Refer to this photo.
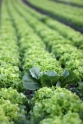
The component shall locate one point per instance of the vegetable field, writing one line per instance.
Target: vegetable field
(41, 62)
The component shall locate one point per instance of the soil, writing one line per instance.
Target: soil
(54, 16)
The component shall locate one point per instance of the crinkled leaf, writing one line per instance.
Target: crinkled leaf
(35, 72)
(29, 83)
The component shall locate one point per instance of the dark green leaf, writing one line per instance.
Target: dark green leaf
(35, 72)
(80, 88)
(80, 85)
(65, 73)
(29, 83)
(45, 81)
(68, 78)
(81, 115)
(49, 78)
(58, 84)
(51, 73)
(43, 18)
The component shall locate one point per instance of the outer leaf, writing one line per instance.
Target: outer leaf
(58, 84)
(71, 78)
(45, 81)
(35, 72)
(49, 78)
(65, 73)
(81, 115)
(51, 74)
(29, 83)
(68, 78)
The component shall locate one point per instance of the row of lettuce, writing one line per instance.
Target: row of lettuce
(14, 105)
(9, 56)
(34, 54)
(71, 59)
(63, 30)
(69, 56)
(69, 14)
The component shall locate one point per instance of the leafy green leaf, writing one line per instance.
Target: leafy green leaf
(49, 78)
(51, 73)
(35, 72)
(58, 84)
(65, 73)
(81, 115)
(68, 78)
(29, 83)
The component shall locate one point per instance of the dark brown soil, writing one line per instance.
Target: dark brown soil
(55, 16)
(69, 4)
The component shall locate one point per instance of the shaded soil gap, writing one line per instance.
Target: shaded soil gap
(54, 16)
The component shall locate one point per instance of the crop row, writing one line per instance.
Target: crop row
(12, 103)
(62, 49)
(9, 56)
(27, 46)
(36, 109)
(58, 106)
(65, 31)
(69, 14)
(32, 52)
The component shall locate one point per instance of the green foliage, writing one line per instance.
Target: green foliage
(63, 48)
(10, 76)
(42, 59)
(35, 79)
(69, 14)
(12, 107)
(13, 96)
(67, 78)
(69, 118)
(29, 83)
(49, 103)
(9, 54)
(12, 111)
